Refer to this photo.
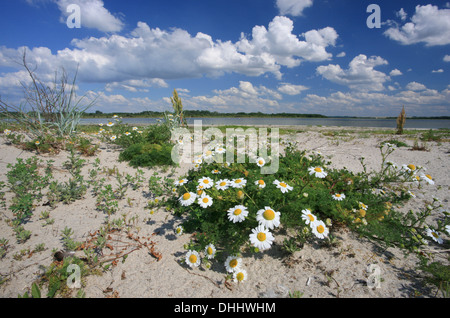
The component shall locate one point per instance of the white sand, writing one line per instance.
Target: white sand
(316, 272)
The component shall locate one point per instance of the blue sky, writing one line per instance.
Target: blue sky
(295, 56)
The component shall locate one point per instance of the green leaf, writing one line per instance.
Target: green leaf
(35, 291)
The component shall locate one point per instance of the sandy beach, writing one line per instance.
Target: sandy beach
(155, 270)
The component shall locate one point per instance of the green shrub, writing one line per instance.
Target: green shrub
(158, 133)
(147, 155)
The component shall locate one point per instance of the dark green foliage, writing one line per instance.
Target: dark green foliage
(147, 155)
(158, 134)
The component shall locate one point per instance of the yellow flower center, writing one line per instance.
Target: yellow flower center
(206, 181)
(209, 250)
(237, 211)
(205, 200)
(223, 183)
(283, 184)
(261, 182)
(311, 217)
(199, 192)
(320, 229)
(181, 181)
(238, 181)
(434, 234)
(338, 195)
(261, 236)
(412, 167)
(269, 214)
(428, 176)
(186, 196)
(233, 263)
(317, 169)
(261, 162)
(362, 212)
(193, 259)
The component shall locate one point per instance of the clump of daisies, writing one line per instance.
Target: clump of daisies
(232, 207)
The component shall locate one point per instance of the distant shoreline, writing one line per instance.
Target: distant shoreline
(195, 114)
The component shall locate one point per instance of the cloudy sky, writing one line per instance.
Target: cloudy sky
(301, 56)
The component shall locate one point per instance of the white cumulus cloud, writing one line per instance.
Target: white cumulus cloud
(93, 14)
(429, 25)
(395, 72)
(414, 86)
(152, 53)
(291, 89)
(293, 7)
(360, 75)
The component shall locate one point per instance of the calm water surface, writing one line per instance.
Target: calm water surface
(343, 122)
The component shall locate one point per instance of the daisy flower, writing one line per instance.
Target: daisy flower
(308, 217)
(261, 238)
(427, 178)
(208, 155)
(7, 132)
(206, 182)
(205, 201)
(318, 172)
(320, 230)
(215, 171)
(363, 206)
(220, 150)
(238, 183)
(434, 235)
(233, 263)
(210, 251)
(260, 183)
(338, 196)
(193, 258)
(110, 124)
(113, 138)
(283, 186)
(134, 128)
(268, 217)
(187, 199)
(179, 230)
(127, 133)
(237, 213)
(260, 162)
(222, 184)
(409, 168)
(37, 143)
(240, 275)
(181, 182)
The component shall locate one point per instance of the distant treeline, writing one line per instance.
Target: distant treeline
(206, 113)
(198, 113)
